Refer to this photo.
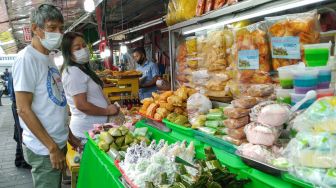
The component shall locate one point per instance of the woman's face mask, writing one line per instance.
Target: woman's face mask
(82, 56)
(52, 40)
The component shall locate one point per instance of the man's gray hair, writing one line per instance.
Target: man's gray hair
(46, 12)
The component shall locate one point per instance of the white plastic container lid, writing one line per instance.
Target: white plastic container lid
(325, 91)
(306, 72)
(287, 71)
(283, 92)
(318, 46)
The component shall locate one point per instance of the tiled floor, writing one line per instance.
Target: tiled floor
(10, 176)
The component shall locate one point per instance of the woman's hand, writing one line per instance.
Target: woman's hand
(112, 109)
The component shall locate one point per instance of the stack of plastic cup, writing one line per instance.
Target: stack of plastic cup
(305, 81)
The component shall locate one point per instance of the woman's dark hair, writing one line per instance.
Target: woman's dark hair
(67, 41)
(140, 50)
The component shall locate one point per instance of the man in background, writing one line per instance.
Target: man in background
(150, 73)
(19, 158)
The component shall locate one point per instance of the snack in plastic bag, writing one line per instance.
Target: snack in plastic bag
(257, 133)
(319, 117)
(200, 9)
(244, 102)
(255, 111)
(253, 54)
(232, 112)
(231, 2)
(274, 115)
(236, 133)
(214, 124)
(209, 5)
(219, 3)
(171, 16)
(197, 105)
(191, 43)
(288, 33)
(312, 150)
(325, 178)
(260, 90)
(233, 140)
(257, 152)
(207, 130)
(187, 9)
(236, 123)
(215, 116)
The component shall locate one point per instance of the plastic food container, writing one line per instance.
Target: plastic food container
(317, 54)
(304, 90)
(323, 85)
(305, 78)
(325, 92)
(298, 97)
(286, 75)
(283, 95)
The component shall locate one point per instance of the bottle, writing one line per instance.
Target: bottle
(123, 101)
(128, 103)
(134, 100)
(138, 99)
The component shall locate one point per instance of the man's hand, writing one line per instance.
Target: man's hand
(75, 142)
(57, 158)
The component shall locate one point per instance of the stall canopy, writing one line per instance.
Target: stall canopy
(116, 15)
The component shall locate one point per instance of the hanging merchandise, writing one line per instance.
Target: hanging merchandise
(180, 10)
(288, 34)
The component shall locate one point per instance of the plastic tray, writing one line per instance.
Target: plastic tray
(215, 142)
(264, 167)
(128, 180)
(143, 115)
(231, 161)
(179, 128)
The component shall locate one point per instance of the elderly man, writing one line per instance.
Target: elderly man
(40, 99)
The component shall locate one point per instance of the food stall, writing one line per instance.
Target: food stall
(252, 95)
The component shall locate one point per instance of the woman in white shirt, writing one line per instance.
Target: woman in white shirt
(83, 88)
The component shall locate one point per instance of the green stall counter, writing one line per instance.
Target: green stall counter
(97, 169)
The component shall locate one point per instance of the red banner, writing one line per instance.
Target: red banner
(26, 34)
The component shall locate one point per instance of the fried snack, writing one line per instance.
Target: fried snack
(191, 91)
(167, 106)
(182, 92)
(175, 100)
(158, 116)
(155, 96)
(151, 110)
(165, 95)
(162, 111)
(179, 110)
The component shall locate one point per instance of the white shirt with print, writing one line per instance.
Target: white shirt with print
(75, 81)
(36, 73)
